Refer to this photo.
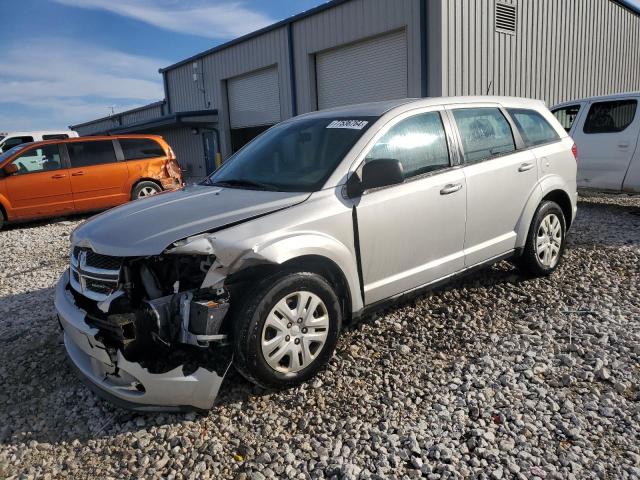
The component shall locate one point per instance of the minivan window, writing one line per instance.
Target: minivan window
(418, 142)
(485, 133)
(140, 148)
(55, 136)
(86, 154)
(42, 159)
(610, 117)
(15, 141)
(533, 127)
(295, 156)
(567, 115)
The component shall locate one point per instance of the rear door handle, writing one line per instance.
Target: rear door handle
(450, 188)
(77, 174)
(58, 175)
(525, 167)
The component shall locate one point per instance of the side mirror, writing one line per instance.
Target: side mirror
(10, 169)
(382, 173)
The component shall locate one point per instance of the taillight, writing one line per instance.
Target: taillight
(574, 150)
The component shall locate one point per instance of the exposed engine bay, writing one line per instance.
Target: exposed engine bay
(161, 311)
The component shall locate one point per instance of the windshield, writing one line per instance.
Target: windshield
(13, 150)
(297, 156)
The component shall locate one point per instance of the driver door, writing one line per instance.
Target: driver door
(41, 186)
(412, 234)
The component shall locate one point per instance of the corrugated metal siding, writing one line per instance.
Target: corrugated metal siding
(140, 115)
(185, 93)
(122, 119)
(363, 72)
(563, 49)
(189, 150)
(98, 126)
(351, 22)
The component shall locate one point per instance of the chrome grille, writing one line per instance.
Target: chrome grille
(94, 275)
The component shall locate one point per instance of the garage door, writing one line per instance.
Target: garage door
(364, 72)
(254, 99)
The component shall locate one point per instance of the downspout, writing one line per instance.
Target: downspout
(165, 85)
(424, 50)
(292, 71)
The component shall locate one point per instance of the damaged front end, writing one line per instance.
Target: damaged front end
(149, 332)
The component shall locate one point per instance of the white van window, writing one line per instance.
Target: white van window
(41, 159)
(567, 115)
(15, 141)
(610, 117)
(55, 136)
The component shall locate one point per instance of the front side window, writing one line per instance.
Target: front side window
(567, 115)
(140, 148)
(86, 154)
(418, 142)
(15, 141)
(610, 117)
(533, 127)
(485, 133)
(295, 156)
(43, 159)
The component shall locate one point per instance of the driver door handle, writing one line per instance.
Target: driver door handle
(77, 174)
(451, 188)
(525, 167)
(58, 175)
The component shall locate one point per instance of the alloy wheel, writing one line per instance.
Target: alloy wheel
(549, 241)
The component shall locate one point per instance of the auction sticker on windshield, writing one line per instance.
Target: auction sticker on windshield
(350, 124)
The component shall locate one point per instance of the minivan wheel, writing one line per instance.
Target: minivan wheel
(545, 241)
(145, 189)
(286, 329)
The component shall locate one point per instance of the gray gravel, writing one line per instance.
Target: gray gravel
(492, 377)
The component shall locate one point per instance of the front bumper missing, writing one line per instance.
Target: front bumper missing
(126, 383)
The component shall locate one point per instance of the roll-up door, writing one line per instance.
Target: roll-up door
(368, 71)
(254, 99)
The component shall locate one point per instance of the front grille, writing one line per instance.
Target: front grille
(94, 275)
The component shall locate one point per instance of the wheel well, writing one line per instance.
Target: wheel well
(309, 263)
(140, 180)
(3, 212)
(563, 200)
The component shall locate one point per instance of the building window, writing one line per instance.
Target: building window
(506, 15)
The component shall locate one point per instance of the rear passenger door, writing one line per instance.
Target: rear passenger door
(607, 140)
(500, 179)
(98, 179)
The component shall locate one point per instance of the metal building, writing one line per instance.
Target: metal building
(353, 51)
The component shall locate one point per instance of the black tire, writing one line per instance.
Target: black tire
(142, 187)
(250, 314)
(531, 262)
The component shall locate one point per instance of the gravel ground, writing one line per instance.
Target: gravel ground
(492, 377)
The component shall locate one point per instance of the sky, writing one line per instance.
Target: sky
(69, 61)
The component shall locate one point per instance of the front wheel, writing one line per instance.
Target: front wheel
(286, 330)
(545, 241)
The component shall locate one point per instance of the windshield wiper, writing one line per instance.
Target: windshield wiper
(242, 183)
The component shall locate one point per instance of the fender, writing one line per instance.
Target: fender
(544, 186)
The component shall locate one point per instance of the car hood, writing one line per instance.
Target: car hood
(148, 226)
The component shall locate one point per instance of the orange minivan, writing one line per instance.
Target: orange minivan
(60, 177)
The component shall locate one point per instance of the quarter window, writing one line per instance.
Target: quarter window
(485, 133)
(86, 154)
(533, 127)
(419, 143)
(43, 159)
(610, 117)
(140, 148)
(567, 115)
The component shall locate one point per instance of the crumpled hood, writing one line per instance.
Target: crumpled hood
(148, 226)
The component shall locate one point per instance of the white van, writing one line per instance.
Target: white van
(606, 131)
(13, 139)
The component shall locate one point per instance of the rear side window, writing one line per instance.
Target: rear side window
(55, 136)
(533, 127)
(140, 148)
(43, 159)
(567, 115)
(85, 154)
(485, 133)
(419, 143)
(610, 117)
(15, 141)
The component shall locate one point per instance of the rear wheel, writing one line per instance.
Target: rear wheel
(145, 189)
(545, 242)
(286, 330)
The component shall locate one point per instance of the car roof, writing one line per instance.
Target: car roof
(95, 138)
(612, 96)
(377, 109)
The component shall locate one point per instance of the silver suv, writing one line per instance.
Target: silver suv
(320, 220)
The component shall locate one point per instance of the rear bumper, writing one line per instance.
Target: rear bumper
(126, 383)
